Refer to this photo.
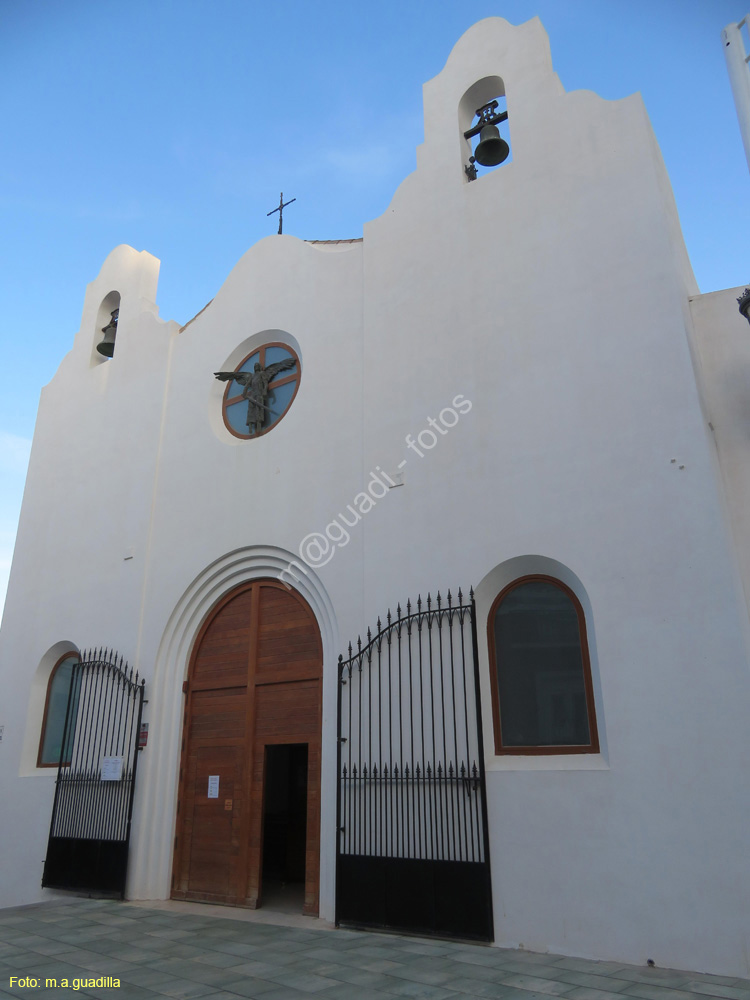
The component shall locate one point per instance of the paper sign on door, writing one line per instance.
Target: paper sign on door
(111, 768)
(213, 786)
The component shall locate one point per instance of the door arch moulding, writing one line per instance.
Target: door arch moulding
(154, 822)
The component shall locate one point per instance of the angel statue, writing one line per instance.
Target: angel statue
(255, 389)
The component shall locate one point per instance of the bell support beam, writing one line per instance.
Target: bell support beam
(486, 118)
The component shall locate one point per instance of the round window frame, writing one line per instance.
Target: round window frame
(279, 381)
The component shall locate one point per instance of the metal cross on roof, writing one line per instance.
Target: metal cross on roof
(282, 205)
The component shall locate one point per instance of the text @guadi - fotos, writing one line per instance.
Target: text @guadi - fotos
(318, 547)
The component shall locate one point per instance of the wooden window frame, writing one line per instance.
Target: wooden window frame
(71, 654)
(500, 749)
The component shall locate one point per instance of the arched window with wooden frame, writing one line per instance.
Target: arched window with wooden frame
(55, 707)
(542, 693)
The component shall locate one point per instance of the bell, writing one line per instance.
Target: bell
(107, 346)
(491, 149)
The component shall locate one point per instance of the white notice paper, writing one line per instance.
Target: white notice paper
(111, 768)
(213, 786)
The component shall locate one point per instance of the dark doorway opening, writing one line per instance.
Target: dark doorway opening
(285, 826)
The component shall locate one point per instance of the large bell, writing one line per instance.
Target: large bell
(107, 346)
(491, 149)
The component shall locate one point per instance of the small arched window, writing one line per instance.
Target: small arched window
(542, 695)
(53, 724)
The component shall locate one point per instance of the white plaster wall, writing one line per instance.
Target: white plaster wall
(721, 347)
(552, 294)
(86, 509)
(215, 495)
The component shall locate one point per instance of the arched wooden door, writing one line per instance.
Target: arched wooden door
(254, 686)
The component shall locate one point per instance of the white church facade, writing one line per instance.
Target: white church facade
(511, 385)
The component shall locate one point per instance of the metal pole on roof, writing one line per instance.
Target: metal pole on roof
(739, 76)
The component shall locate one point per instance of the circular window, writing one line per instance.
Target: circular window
(257, 398)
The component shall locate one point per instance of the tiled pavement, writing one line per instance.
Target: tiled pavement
(172, 954)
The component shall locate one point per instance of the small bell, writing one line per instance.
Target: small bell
(107, 346)
(491, 149)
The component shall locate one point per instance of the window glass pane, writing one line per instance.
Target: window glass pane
(278, 400)
(540, 668)
(274, 354)
(237, 416)
(57, 704)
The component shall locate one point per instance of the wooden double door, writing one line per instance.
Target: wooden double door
(249, 797)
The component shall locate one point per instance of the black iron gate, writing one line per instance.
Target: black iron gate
(90, 828)
(412, 846)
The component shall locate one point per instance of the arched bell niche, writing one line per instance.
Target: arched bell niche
(105, 329)
(483, 124)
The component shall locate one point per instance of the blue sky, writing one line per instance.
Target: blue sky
(172, 125)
